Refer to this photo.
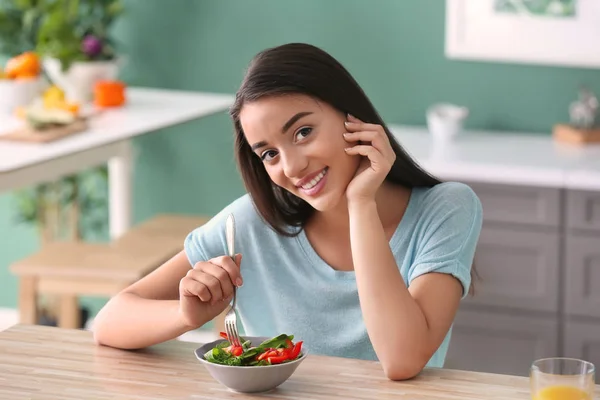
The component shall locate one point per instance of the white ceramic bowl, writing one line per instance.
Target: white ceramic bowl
(445, 121)
(249, 379)
(18, 93)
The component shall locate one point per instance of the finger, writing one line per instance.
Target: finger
(371, 152)
(382, 140)
(379, 154)
(378, 138)
(366, 136)
(352, 118)
(356, 124)
(232, 268)
(213, 284)
(222, 276)
(189, 286)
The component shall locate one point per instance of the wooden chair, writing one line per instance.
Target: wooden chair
(70, 269)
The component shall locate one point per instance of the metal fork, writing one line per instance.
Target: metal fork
(231, 317)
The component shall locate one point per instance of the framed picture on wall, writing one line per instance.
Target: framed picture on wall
(546, 32)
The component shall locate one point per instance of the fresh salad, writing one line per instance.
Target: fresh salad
(277, 350)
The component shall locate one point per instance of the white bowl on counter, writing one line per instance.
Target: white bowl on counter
(16, 93)
(445, 121)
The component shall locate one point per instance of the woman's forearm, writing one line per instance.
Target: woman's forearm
(131, 322)
(396, 325)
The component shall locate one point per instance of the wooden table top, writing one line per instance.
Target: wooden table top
(38, 362)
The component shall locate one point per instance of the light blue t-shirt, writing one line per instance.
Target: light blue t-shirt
(289, 289)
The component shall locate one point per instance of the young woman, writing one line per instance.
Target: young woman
(343, 240)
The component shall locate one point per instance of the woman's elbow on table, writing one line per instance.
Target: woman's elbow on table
(98, 339)
(400, 372)
(99, 330)
(109, 327)
(103, 336)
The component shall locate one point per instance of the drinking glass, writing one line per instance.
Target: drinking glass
(562, 378)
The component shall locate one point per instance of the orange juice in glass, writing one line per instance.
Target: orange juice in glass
(562, 379)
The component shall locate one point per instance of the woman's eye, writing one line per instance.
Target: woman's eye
(268, 155)
(302, 133)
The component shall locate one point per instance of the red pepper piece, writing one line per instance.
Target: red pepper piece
(237, 350)
(277, 359)
(296, 350)
(273, 353)
(263, 355)
(285, 352)
(223, 335)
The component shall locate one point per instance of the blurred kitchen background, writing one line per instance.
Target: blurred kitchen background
(507, 100)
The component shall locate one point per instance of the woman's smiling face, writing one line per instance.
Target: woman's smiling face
(300, 142)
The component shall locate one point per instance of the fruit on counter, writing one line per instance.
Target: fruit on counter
(23, 66)
(52, 107)
(40, 118)
(109, 93)
(54, 98)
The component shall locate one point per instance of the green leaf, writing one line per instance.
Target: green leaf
(250, 353)
(219, 356)
(276, 341)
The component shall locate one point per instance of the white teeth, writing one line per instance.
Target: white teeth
(315, 180)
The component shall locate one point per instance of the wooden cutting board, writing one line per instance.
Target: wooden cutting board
(28, 134)
(569, 134)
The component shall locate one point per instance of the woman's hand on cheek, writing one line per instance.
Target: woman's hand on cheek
(371, 143)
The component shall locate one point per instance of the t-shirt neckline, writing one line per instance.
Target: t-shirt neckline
(324, 268)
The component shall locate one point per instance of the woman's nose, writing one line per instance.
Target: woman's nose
(293, 164)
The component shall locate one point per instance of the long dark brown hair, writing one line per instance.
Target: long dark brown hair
(299, 68)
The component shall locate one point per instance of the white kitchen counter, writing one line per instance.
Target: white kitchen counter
(504, 157)
(108, 140)
(147, 110)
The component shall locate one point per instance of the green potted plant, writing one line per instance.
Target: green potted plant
(19, 24)
(74, 39)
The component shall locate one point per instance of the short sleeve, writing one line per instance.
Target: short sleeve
(206, 241)
(209, 241)
(449, 229)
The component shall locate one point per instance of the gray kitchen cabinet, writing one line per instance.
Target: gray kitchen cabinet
(582, 340)
(583, 210)
(500, 343)
(538, 254)
(517, 269)
(531, 260)
(520, 205)
(582, 277)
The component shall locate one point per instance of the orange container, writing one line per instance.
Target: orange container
(109, 93)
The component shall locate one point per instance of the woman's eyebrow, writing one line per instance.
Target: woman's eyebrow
(258, 145)
(284, 129)
(293, 120)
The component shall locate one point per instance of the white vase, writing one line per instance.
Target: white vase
(79, 79)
